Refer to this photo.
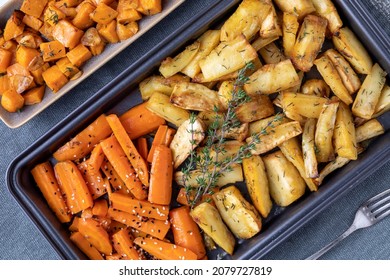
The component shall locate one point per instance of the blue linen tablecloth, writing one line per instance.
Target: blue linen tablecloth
(20, 239)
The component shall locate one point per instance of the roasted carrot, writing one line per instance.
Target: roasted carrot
(74, 226)
(44, 176)
(87, 248)
(83, 143)
(169, 136)
(116, 156)
(138, 207)
(159, 139)
(139, 121)
(114, 180)
(142, 147)
(163, 250)
(96, 158)
(72, 184)
(123, 244)
(86, 213)
(186, 232)
(129, 148)
(156, 228)
(160, 189)
(93, 178)
(182, 197)
(114, 257)
(100, 208)
(96, 235)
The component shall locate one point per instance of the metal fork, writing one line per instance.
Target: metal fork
(369, 213)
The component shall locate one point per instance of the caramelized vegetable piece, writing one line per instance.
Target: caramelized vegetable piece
(164, 250)
(129, 148)
(46, 181)
(34, 96)
(33, 7)
(139, 121)
(54, 78)
(87, 248)
(12, 101)
(83, 143)
(159, 139)
(160, 189)
(186, 232)
(138, 207)
(123, 244)
(93, 178)
(122, 166)
(73, 186)
(66, 33)
(96, 235)
(153, 227)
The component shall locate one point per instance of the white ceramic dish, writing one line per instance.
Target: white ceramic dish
(14, 120)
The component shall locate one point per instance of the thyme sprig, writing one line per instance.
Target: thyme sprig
(210, 168)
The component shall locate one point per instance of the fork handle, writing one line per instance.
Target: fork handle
(332, 244)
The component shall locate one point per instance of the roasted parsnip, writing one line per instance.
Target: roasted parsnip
(285, 182)
(239, 215)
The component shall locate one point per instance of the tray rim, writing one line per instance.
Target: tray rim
(285, 227)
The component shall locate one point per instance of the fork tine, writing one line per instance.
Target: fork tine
(374, 199)
(382, 215)
(379, 204)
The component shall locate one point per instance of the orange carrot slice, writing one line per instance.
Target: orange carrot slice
(160, 189)
(169, 136)
(44, 176)
(96, 158)
(164, 250)
(116, 156)
(142, 147)
(186, 232)
(72, 184)
(87, 248)
(100, 208)
(159, 139)
(93, 178)
(113, 178)
(96, 235)
(138, 207)
(156, 228)
(129, 148)
(83, 143)
(123, 244)
(139, 121)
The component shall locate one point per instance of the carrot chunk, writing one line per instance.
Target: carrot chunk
(116, 156)
(160, 189)
(164, 250)
(72, 184)
(46, 181)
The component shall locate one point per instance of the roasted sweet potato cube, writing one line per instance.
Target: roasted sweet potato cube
(53, 50)
(127, 30)
(5, 84)
(5, 60)
(108, 32)
(149, 7)
(54, 78)
(53, 15)
(127, 12)
(79, 55)
(14, 26)
(103, 14)
(98, 49)
(66, 33)
(34, 95)
(33, 22)
(67, 67)
(25, 56)
(33, 7)
(82, 19)
(12, 101)
(37, 74)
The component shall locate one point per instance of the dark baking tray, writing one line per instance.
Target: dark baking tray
(122, 93)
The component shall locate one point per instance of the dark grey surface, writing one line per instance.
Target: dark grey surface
(19, 238)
